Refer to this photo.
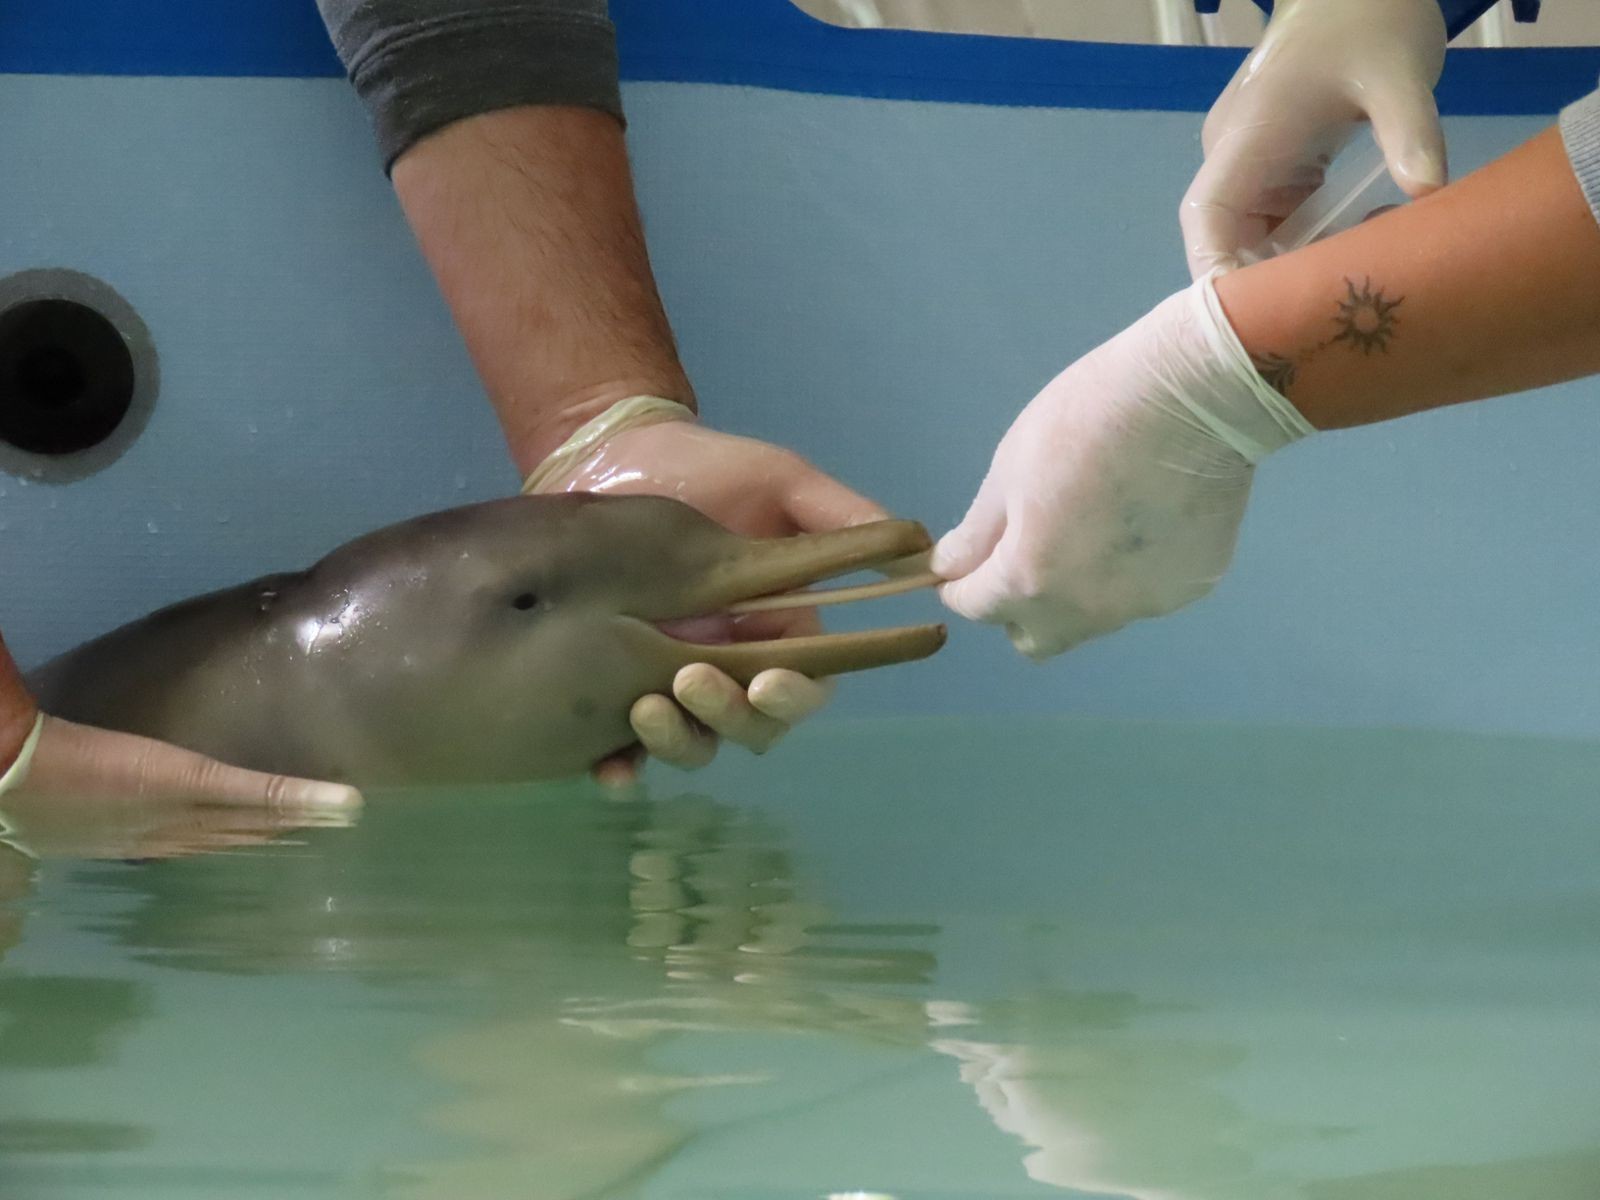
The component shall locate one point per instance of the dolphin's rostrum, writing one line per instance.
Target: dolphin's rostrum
(503, 641)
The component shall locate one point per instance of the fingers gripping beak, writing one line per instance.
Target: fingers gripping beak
(771, 575)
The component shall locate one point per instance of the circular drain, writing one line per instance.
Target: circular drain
(77, 375)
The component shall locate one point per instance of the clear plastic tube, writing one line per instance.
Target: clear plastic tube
(1356, 187)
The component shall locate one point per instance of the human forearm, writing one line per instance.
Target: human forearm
(511, 165)
(499, 121)
(528, 220)
(1488, 287)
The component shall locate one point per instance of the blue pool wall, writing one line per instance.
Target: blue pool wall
(875, 247)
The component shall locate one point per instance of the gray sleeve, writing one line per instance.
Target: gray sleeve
(1580, 132)
(420, 65)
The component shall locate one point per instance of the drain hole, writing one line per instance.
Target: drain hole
(66, 377)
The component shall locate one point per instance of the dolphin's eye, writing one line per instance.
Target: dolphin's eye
(525, 601)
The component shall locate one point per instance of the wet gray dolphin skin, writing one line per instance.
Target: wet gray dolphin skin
(499, 642)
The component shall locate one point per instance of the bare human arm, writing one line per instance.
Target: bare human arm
(500, 122)
(1488, 287)
(528, 220)
(1119, 491)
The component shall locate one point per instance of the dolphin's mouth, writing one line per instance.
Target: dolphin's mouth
(772, 575)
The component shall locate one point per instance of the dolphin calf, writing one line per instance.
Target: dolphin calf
(499, 642)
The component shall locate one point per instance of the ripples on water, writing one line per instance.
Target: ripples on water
(924, 959)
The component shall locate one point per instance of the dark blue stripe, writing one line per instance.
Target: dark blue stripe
(769, 43)
(164, 37)
(761, 43)
(1458, 14)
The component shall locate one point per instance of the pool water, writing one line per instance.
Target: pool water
(922, 959)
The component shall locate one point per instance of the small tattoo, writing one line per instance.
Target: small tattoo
(1276, 370)
(1365, 321)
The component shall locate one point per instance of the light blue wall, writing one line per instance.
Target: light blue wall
(311, 382)
(878, 284)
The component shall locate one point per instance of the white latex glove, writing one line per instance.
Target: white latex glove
(1118, 491)
(1323, 67)
(653, 446)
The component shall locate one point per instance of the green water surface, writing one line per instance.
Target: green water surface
(925, 960)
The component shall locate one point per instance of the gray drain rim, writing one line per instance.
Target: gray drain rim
(62, 283)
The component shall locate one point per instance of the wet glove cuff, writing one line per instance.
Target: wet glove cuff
(18, 771)
(632, 413)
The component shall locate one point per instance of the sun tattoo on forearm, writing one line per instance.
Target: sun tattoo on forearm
(1365, 322)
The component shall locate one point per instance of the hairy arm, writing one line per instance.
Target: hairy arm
(501, 124)
(528, 220)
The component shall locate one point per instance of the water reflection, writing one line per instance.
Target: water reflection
(568, 944)
(561, 939)
(34, 1136)
(126, 830)
(1108, 1108)
(56, 1022)
(16, 876)
(587, 991)
(52, 1022)
(1561, 1175)
(134, 829)
(567, 1100)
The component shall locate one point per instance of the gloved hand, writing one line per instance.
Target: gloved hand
(1322, 67)
(1118, 491)
(652, 446)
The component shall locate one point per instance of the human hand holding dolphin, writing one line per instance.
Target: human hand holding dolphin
(645, 445)
(45, 759)
(527, 218)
